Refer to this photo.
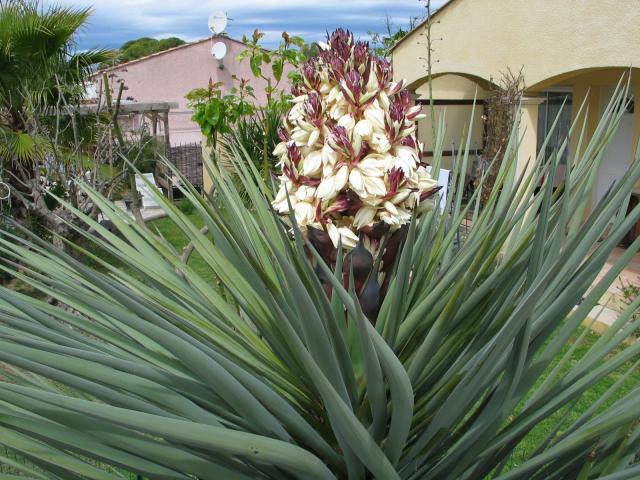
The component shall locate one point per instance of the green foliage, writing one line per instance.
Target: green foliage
(56, 190)
(250, 135)
(237, 118)
(630, 292)
(185, 206)
(216, 113)
(36, 46)
(38, 64)
(21, 147)
(269, 65)
(261, 375)
(291, 52)
(382, 44)
(141, 47)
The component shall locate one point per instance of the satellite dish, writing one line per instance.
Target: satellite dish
(219, 50)
(217, 22)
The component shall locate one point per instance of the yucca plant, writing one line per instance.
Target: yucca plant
(155, 371)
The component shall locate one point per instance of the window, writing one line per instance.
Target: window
(556, 103)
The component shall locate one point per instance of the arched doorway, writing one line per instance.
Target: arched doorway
(594, 89)
(458, 102)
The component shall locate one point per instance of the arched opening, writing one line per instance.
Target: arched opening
(452, 83)
(458, 99)
(594, 88)
(596, 76)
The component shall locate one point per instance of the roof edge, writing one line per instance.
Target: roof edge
(157, 54)
(421, 24)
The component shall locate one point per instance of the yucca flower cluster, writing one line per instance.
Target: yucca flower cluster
(349, 155)
(349, 158)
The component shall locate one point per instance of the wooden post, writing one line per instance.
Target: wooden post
(167, 149)
(154, 133)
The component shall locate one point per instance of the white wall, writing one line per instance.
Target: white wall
(618, 155)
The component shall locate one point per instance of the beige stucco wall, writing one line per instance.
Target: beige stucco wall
(457, 119)
(528, 135)
(549, 38)
(636, 122)
(453, 87)
(583, 45)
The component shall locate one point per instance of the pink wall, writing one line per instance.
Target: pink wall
(168, 76)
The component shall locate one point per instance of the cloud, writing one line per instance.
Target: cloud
(115, 21)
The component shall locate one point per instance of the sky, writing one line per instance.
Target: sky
(115, 21)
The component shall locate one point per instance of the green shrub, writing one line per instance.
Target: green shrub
(630, 292)
(57, 190)
(186, 206)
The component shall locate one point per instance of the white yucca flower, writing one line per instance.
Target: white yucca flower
(349, 155)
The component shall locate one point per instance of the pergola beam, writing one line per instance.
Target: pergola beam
(144, 108)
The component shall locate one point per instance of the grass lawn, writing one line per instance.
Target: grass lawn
(571, 413)
(167, 230)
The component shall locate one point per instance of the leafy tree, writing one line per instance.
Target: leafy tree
(382, 42)
(142, 47)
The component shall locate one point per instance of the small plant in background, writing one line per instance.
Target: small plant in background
(272, 65)
(349, 160)
(249, 135)
(186, 206)
(215, 113)
(288, 54)
(631, 292)
(383, 42)
(238, 119)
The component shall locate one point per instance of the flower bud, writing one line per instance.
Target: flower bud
(364, 129)
(364, 217)
(345, 235)
(312, 164)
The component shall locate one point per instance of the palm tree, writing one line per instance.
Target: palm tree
(38, 65)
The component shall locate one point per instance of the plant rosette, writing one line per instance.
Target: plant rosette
(349, 160)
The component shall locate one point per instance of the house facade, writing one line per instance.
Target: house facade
(169, 75)
(570, 51)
